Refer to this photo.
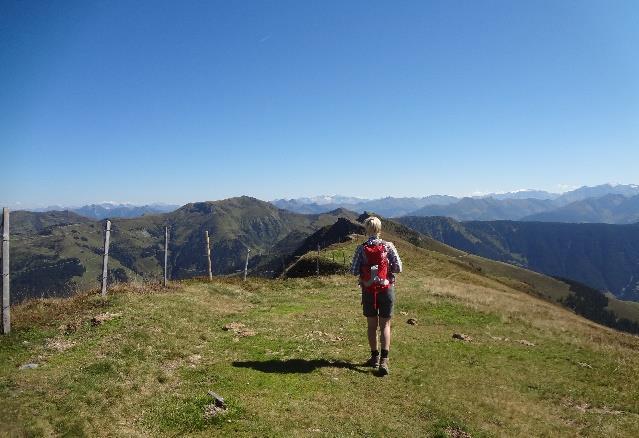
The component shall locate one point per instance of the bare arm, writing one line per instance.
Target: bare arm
(357, 261)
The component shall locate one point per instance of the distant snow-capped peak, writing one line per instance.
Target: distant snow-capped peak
(324, 200)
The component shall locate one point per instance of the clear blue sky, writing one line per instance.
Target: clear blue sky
(181, 101)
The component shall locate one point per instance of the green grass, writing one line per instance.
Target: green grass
(148, 371)
(624, 309)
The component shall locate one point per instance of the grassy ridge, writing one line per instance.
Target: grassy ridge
(147, 371)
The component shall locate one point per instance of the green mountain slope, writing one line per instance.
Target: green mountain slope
(27, 222)
(531, 368)
(602, 256)
(58, 253)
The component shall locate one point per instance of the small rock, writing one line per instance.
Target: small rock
(584, 364)
(403, 313)
(212, 410)
(28, 366)
(219, 401)
(526, 343)
(462, 337)
(216, 408)
(412, 321)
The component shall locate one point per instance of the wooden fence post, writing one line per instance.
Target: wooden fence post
(105, 261)
(208, 255)
(166, 253)
(248, 250)
(6, 279)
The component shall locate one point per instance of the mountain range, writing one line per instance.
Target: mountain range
(389, 206)
(485, 209)
(106, 210)
(609, 209)
(60, 253)
(605, 203)
(602, 256)
(57, 253)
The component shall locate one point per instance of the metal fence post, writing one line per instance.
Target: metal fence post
(105, 261)
(248, 250)
(208, 255)
(6, 278)
(166, 253)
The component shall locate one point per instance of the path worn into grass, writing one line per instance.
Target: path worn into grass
(295, 370)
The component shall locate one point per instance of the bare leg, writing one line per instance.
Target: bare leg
(372, 331)
(385, 327)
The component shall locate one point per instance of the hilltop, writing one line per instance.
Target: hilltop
(290, 362)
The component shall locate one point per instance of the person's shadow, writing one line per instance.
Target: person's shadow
(295, 365)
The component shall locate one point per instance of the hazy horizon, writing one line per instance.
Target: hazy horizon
(19, 205)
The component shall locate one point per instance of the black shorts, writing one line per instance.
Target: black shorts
(385, 301)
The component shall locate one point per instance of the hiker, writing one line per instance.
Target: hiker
(375, 261)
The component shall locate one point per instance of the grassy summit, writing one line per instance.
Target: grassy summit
(532, 368)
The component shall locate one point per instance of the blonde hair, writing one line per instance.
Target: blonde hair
(373, 226)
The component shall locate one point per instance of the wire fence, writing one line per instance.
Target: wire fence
(73, 258)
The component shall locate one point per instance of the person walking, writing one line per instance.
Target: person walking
(375, 262)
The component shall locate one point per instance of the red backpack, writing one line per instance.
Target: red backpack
(373, 272)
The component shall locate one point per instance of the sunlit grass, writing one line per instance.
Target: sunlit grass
(147, 371)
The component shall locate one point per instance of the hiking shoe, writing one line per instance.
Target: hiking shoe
(373, 361)
(383, 366)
